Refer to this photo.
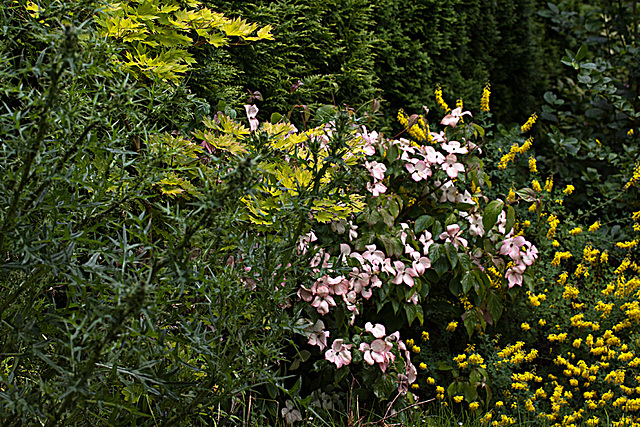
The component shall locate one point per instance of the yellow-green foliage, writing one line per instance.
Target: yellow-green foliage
(157, 34)
(285, 181)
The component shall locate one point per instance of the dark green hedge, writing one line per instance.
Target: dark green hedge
(348, 51)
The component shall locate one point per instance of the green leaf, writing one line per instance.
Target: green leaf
(392, 153)
(275, 118)
(470, 392)
(411, 312)
(491, 213)
(511, 219)
(582, 52)
(452, 254)
(494, 303)
(470, 321)
(467, 282)
(392, 245)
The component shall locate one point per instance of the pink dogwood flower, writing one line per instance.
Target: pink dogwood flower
(317, 335)
(453, 235)
(453, 118)
(454, 147)
(404, 274)
(512, 247)
(451, 167)
(339, 354)
(379, 351)
(434, 157)
(418, 169)
(376, 170)
(514, 275)
(376, 189)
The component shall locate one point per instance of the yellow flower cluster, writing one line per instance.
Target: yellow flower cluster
(594, 227)
(529, 124)
(484, 101)
(533, 168)
(440, 100)
(452, 326)
(575, 231)
(515, 149)
(553, 224)
(558, 257)
(548, 185)
(569, 189)
(536, 186)
(419, 130)
(627, 245)
(635, 179)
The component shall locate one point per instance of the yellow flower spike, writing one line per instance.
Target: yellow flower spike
(511, 197)
(575, 231)
(533, 168)
(569, 189)
(529, 124)
(484, 102)
(548, 186)
(441, 103)
(536, 186)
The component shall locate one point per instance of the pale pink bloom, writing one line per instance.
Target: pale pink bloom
(376, 282)
(434, 157)
(512, 246)
(370, 140)
(514, 275)
(454, 147)
(414, 299)
(404, 274)
(451, 167)
(464, 198)
(426, 240)
(438, 137)
(359, 280)
(320, 257)
(501, 222)
(530, 255)
(373, 255)
(317, 335)
(418, 169)
(303, 243)
(453, 235)
(290, 414)
(453, 118)
(376, 189)
(353, 234)
(339, 353)
(421, 265)
(408, 249)
(252, 112)
(323, 299)
(376, 169)
(379, 351)
(378, 330)
(305, 294)
(449, 192)
(387, 268)
(476, 228)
